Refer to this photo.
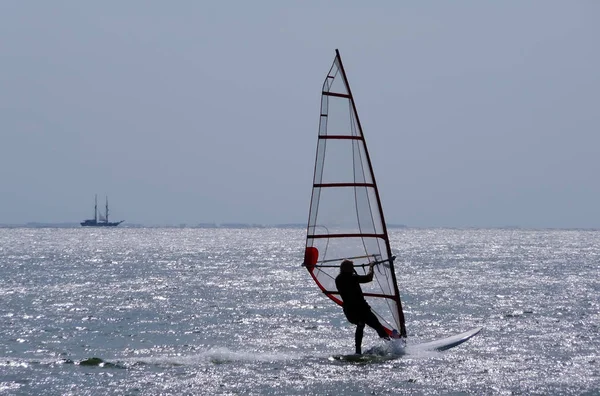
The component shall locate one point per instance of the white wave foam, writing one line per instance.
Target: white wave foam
(218, 355)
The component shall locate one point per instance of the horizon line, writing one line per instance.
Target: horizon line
(225, 225)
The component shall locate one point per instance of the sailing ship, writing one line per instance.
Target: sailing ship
(346, 218)
(99, 219)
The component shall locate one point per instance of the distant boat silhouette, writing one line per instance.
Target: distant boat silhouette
(99, 220)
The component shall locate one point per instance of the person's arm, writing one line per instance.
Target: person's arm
(366, 278)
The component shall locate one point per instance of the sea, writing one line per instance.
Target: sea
(225, 311)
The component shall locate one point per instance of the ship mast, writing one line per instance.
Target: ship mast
(96, 208)
(107, 208)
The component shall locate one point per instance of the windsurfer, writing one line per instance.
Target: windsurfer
(356, 309)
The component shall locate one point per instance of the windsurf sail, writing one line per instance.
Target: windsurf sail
(346, 218)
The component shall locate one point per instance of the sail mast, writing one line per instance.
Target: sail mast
(368, 158)
(96, 208)
(107, 208)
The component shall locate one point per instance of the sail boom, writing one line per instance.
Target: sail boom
(377, 295)
(391, 259)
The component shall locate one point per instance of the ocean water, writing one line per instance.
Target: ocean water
(232, 312)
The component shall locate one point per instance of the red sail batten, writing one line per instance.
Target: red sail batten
(319, 185)
(349, 137)
(316, 236)
(338, 95)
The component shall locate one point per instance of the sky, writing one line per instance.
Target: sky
(476, 113)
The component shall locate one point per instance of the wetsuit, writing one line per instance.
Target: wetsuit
(356, 309)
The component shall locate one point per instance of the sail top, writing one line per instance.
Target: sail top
(346, 218)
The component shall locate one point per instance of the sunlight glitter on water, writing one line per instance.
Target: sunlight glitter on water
(223, 311)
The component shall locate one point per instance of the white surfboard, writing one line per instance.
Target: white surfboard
(448, 342)
(382, 353)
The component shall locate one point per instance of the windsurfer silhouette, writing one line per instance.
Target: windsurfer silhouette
(356, 309)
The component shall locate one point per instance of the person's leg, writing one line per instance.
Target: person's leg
(372, 321)
(358, 336)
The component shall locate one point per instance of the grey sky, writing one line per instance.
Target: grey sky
(476, 113)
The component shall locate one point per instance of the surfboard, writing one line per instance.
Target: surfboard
(382, 353)
(446, 343)
(390, 350)
(364, 358)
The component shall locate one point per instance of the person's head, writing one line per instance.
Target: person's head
(347, 266)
